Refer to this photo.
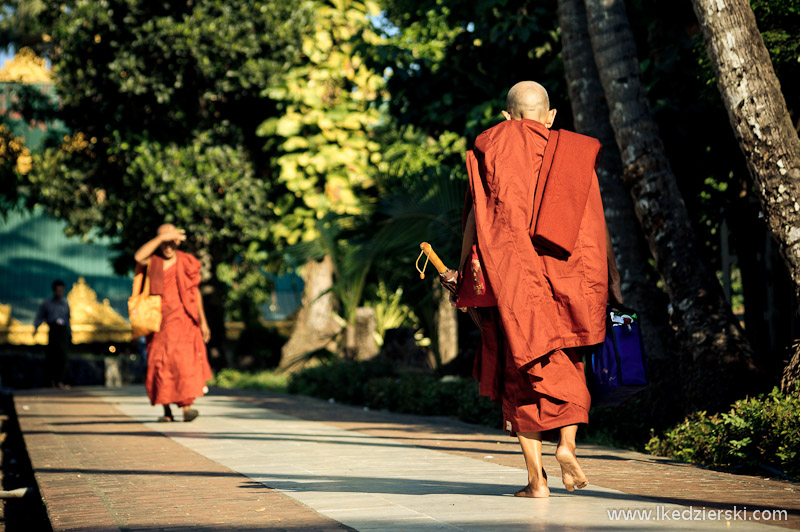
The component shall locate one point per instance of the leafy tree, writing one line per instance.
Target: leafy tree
(451, 61)
(323, 135)
(15, 161)
(163, 102)
(21, 23)
(448, 64)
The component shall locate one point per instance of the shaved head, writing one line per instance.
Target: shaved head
(165, 228)
(528, 99)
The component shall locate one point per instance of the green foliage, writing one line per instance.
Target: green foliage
(341, 381)
(262, 380)
(756, 432)
(450, 62)
(342, 239)
(429, 396)
(249, 284)
(778, 21)
(206, 187)
(163, 102)
(165, 70)
(15, 161)
(390, 312)
(21, 24)
(322, 136)
(421, 199)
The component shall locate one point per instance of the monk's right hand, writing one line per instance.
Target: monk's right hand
(449, 280)
(174, 235)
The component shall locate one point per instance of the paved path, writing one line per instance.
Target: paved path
(275, 462)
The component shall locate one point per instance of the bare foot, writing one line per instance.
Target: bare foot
(571, 472)
(540, 492)
(535, 491)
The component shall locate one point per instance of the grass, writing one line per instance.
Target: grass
(267, 380)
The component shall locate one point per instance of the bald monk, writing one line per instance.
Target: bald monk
(535, 211)
(177, 366)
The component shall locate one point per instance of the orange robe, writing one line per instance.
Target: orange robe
(541, 237)
(177, 365)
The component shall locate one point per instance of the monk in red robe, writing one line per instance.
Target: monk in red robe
(177, 365)
(535, 212)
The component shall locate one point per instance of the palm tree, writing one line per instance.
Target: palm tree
(717, 358)
(590, 113)
(421, 207)
(761, 122)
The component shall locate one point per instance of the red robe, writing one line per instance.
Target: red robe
(177, 365)
(541, 237)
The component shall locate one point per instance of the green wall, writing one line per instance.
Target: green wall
(34, 251)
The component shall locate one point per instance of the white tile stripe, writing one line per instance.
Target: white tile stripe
(371, 483)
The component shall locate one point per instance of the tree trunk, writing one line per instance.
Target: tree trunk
(359, 337)
(717, 359)
(590, 113)
(314, 326)
(366, 330)
(760, 120)
(446, 325)
(790, 381)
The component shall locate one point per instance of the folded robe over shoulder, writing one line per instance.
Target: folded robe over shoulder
(566, 183)
(545, 302)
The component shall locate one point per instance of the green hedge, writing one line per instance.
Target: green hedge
(378, 386)
(757, 434)
(260, 380)
(344, 382)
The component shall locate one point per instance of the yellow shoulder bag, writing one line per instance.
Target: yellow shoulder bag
(144, 310)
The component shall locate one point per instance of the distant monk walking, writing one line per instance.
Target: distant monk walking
(535, 211)
(177, 366)
(55, 312)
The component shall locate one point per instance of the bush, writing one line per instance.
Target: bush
(342, 381)
(758, 433)
(261, 380)
(377, 385)
(259, 347)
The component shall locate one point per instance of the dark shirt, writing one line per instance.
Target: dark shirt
(53, 312)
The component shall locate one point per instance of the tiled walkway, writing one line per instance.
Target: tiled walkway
(273, 462)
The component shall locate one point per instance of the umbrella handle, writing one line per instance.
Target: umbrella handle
(430, 255)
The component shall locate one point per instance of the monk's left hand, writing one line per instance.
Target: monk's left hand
(205, 331)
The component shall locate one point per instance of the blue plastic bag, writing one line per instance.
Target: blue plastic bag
(617, 369)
